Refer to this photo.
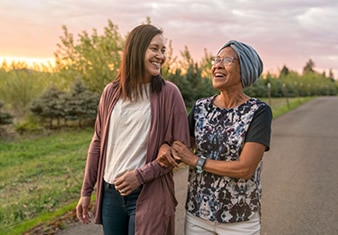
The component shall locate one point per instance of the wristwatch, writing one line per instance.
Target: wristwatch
(200, 164)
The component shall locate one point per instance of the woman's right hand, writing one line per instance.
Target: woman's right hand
(165, 158)
(82, 210)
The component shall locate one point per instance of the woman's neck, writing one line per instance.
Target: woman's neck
(230, 100)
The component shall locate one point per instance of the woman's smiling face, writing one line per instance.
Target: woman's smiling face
(225, 76)
(154, 57)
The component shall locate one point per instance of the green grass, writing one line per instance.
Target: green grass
(40, 177)
(281, 106)
(44, 218)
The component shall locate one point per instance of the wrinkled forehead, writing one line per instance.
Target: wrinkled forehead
(227, 51)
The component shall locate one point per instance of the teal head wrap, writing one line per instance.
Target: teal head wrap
(250, 63)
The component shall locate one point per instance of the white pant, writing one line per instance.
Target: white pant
(198, 226)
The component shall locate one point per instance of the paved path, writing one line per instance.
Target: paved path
(300, 175)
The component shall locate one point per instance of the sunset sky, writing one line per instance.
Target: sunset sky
(284, 32)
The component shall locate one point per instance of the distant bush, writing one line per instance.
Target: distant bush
(28, 127)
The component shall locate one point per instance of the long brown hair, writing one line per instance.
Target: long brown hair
(132, 70)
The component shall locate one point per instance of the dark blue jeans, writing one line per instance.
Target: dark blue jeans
(118, 213)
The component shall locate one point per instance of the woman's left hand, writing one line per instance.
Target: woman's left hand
(183, 153)
(126, 183)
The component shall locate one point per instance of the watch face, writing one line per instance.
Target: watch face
(200, 163)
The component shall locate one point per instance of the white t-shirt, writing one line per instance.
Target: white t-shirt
(128, 136)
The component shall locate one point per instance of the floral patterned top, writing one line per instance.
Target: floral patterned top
(220, 134)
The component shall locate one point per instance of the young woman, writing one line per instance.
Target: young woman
(138, 112)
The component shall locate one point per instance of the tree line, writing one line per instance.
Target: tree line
(68, 91)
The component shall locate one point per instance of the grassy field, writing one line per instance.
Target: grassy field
(41, 176)
(281, 106)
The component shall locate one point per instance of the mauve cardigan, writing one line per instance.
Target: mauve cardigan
(155, 213)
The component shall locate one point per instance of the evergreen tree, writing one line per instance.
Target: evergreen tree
(331, 76)
(49, 106)
(284, 72)
(80, 104)
(309, 67)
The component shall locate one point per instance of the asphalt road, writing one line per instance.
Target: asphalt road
(300, 175)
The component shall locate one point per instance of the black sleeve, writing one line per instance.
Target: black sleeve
(260, 128)
(192, 121)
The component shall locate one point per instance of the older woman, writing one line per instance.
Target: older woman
(231, 132)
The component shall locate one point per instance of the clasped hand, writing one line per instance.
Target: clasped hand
(173, 155)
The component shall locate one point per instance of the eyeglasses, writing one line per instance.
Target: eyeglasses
(225, 60)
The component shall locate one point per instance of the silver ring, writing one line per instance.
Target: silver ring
(122, 191)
